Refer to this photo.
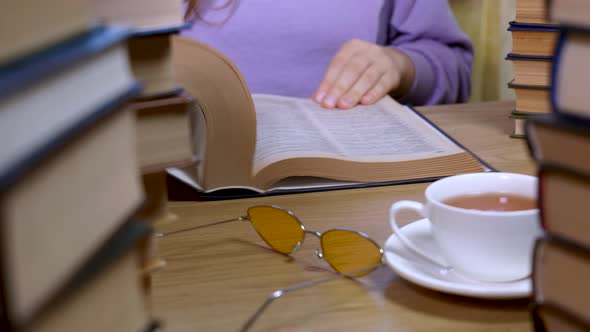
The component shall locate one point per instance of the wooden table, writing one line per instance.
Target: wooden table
(217, 277)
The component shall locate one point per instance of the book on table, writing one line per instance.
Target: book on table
(151, 64)
(531, 70)
(68, 167)
(164, 139)
(563, 200)
(531, 99)
(555, 140)
(560, 143)
(533, 39)
(164, 132)
(561, 270)
(264, 142)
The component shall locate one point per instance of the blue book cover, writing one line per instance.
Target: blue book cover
(513, 56)
(517, 26)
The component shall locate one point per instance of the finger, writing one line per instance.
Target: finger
(333, 71)
(350, 74)
(385, 84)
(364, 84)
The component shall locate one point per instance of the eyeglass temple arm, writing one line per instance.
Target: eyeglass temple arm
(279, 293)
(201, 226)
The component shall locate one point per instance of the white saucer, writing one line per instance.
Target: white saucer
(421, 272)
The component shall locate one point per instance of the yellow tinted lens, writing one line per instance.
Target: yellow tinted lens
(349, 251)
(279, 229)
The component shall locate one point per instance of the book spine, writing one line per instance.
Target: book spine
(542, 310)
(544, 169)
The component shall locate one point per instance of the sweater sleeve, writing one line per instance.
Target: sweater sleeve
(426, 30)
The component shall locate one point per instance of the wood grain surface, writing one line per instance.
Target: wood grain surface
(216, 277)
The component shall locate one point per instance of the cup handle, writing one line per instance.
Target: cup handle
(418, 207)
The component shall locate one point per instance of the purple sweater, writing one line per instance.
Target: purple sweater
(284, 46)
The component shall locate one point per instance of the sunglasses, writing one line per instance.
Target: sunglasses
(350, 253)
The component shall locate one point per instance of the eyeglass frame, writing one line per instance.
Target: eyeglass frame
(280, 292)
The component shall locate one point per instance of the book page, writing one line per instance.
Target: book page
(383, 132)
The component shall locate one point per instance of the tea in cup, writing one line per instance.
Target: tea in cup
(485, 224)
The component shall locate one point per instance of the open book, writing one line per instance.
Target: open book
(266, 142)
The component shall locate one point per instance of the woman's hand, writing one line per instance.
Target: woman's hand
(363, 72)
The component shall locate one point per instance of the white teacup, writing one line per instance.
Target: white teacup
(493, 246)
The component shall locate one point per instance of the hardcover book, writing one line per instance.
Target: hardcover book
(560, 273)
(531, 99)
(42, 94)
(68, 164)
(164, 135)
(533, 39)
(531, 70)
(59, 207)
(262, 142)
(563, 201)
(556, 141)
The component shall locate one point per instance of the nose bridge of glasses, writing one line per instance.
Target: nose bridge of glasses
(318, 252)
(317, 234)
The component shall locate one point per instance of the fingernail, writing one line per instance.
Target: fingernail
(346, 101)
(320, 96)
(366, 99)
(330, 101)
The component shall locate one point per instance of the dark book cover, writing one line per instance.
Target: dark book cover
(512, 85)
(517, 26)
(513, 56)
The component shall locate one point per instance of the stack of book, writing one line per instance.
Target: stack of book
(560, 143)
(69, 178)
(164, 112)
(533, 44)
